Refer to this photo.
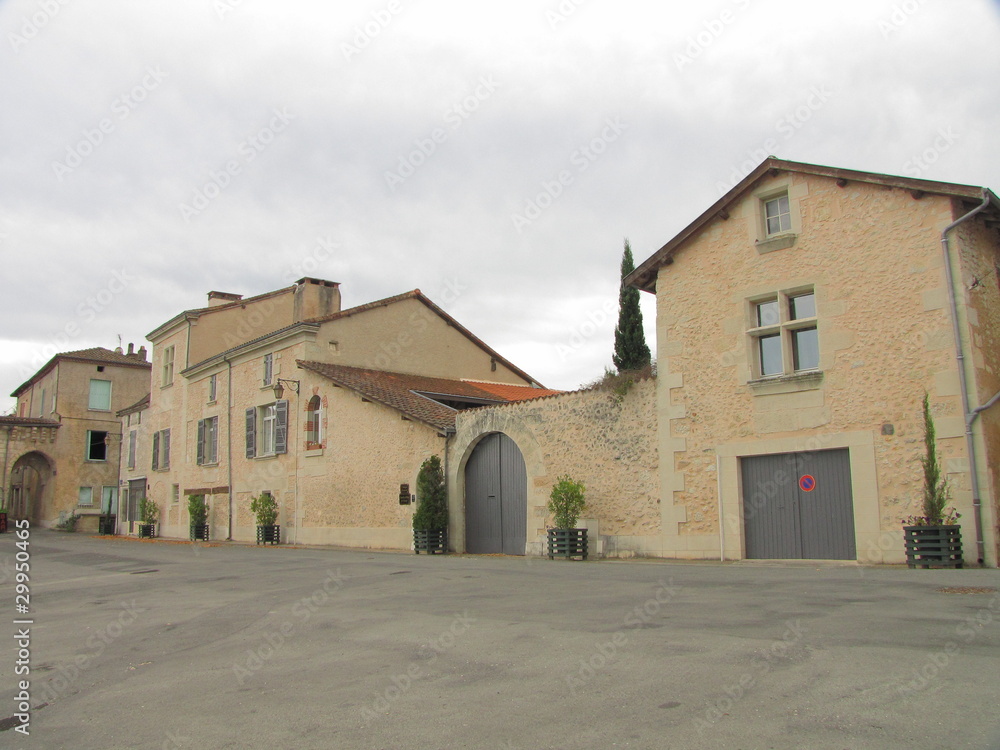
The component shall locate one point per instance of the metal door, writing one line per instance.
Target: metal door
(496, 498)
(799, 506)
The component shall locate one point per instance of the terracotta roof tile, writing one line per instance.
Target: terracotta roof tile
(513, 392)
(29, 422)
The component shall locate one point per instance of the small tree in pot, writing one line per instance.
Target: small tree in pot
(430, 521)
(265, 507)
(149, 514)
(933, 539)
(198, 513)
(566, 503)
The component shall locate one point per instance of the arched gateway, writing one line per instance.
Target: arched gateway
(496, 497)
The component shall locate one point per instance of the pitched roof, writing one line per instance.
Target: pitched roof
(513, 392)
(644, 277)
(29, 422)
(139, 405)
(403, 392)
(96, 354)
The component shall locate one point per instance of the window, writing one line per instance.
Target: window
(213, 388)
(267, 429)
(100, 395)
(175, 494)
(86, 496)
(109, 500)
(314, 423)
(161, 450)
(41, 404)
(777, 215)
(167, 371)
(97, 446)
(133, 437)
(784, 334)
(208, 441)
(268, 368)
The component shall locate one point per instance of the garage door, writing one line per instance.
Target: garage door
(496, 498)
(799, 506)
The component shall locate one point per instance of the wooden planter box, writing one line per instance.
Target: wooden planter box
(568, 543)
(199, 532)
(107, 525)
(3, 522)
(431, 542)
(147, 530)
(269, 534)
(933, 546)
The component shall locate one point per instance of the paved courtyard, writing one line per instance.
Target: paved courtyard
(138, 644)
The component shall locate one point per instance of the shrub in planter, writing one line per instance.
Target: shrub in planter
(430, 520)
(933, 539)
(198, 514)
(265, 508)
(67, 523)
(566, 503)
(149, 514)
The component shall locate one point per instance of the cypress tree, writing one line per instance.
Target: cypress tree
(631, 352)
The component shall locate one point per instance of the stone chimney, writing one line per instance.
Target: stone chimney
(222, 298)
(315, 298)
(141, 354)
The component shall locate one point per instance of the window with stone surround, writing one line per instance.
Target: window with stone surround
(783, 333)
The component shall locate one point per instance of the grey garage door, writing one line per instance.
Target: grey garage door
(496, 497)
(799, 506)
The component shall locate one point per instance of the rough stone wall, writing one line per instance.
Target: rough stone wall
(872, 255)
(606, 441)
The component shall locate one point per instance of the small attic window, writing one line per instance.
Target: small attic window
(100, 368)
(777, 215)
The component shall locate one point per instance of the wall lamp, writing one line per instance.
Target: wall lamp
(293, 385)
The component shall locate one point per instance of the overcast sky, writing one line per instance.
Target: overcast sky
(493, 155)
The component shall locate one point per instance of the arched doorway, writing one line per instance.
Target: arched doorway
(30, 476)
(496, 497)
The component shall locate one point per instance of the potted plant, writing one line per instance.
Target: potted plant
(198, 513)
(566, 503)
(265, 507)
(149, 514)
(933, 539)
(430, 521)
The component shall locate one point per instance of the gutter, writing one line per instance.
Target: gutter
(970, 414)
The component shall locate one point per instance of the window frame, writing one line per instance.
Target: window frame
(161, 450)
(256, 418)
(208, 442)
(167, 367)
(786, 214)
(314, 423)
(79, 497)
(133, 442)
(91, 393)
(88, 449)
(786, 328)
(268, 374)
(213, 388)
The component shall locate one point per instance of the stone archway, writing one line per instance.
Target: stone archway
(30, 479)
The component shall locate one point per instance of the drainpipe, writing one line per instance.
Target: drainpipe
(969, 415)
(6, 454)
(722, 526)
(229, 443)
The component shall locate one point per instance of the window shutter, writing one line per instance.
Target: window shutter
(201, 442)
(166, 449)
(131, 449)
(251, 432)
(281, 427)
(156, 450)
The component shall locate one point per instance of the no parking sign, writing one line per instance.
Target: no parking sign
(807, 483)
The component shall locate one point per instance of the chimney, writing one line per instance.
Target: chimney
(130, 352)
(315, 298)
(141, 354)
(222, 298)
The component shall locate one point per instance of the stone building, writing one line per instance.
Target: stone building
(330, 410)
(800, 320)
(61, 450)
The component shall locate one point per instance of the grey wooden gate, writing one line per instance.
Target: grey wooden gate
(496, 497)
(784, 519)
(136, 492)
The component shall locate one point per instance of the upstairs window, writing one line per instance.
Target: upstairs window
(268, 368)
(784, 334)
(161, 450)
(314, 423)
(100, 395)
(167, 367)
(208, 441)
(213, 388)
(267, 429)
(97, 445)
(777, 215)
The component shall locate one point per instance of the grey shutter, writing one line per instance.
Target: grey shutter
(166, 449)
(156, 450)
(251, 432)
(281, 427)
(131, 449)
(201, 442)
